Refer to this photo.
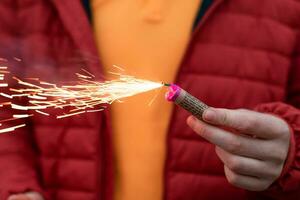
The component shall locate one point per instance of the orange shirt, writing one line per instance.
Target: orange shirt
(148, 39)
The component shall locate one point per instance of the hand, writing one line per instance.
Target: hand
(253, 151)
(26, 196)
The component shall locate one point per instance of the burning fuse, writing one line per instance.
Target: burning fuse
(185, 100)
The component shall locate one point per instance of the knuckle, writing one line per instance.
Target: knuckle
(274, 152)
(271, 173)
(257, 188)
(234, 146)
(260, 186)
(234, 164)
(284, 131)
(286, 134)
(233, 179)
(279, 156)
(198, 127)
(201, 129)
(224, 118)
(249, 124)
(263, 186)
(276, 172)
(218, 151)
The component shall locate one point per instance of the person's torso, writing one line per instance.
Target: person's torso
(238, 57)
(148, 40)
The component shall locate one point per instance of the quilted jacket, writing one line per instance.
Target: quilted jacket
(243, 54)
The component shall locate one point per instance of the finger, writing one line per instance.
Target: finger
(245, 121)
(34, 196)
(236, 144)
(247, 166)
(18, 197)
(245, 182)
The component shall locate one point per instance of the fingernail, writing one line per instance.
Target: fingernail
(209, 115)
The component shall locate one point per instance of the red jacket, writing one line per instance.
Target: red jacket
(244, 54)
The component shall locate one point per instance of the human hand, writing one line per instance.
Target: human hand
(26, 196)
(253, 151)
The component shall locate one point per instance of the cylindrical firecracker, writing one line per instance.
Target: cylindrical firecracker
(185, 100)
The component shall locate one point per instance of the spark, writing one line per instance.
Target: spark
(3, 60)
(3, 84)
(8, 119)
(95, 110)
(41, 112)
(69, 115)
(119, 68)
(154, 97)
(6, 95)
(10, 129)
(83, 76)
(33, 79)
(86, 95)
(22, 116)
(20, 107)
(17, 59)
(89, 73)
(5, 103)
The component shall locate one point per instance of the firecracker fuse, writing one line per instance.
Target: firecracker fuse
(185, 100)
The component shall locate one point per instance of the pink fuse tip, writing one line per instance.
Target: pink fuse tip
(173, 92)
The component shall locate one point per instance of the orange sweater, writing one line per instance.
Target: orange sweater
(148, 39)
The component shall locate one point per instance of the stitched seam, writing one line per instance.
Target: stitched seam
(68, 157)
(83, 126)
(246, 79)
(188, 139)
(237, 47)
(62, 187)
(244, 47)
(179, 171)
(248, 48)
(259, 16)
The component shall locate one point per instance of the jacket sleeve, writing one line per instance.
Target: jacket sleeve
(17, 164)
(17, 156)
(288, 184)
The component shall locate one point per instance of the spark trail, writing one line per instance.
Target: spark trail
(87, 95)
